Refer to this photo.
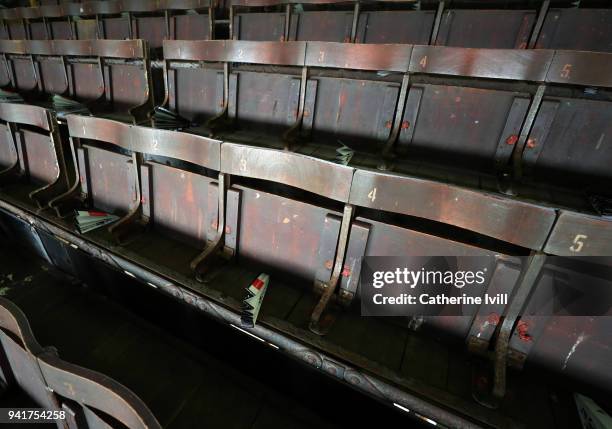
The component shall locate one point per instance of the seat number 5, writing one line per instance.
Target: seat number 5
(578, 243)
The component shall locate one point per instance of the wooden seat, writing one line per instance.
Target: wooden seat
(104, 76)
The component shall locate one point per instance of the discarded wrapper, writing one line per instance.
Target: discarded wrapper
(252, 303)
(89, 220)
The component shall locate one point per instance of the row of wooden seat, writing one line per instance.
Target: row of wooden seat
(503, 112)
(281, 20)
(122, 19)
(103, 75)
(368, 22)
(208, 197)
(443, 121)
(179, 183)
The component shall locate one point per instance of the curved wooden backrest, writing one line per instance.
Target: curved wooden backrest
(82, 48)
(18, 47)
(581, 68)
(97, 391)
(185, 4)
(315, 54)
(539, 65)
(9, 13)
(242, 51)
(507, 219)
(358, 56)
(136, 48)
(260, 3)
(510, 64)
(155, 5)
(86, 387)
(89, 48)
(101, 7)
(191, 148)
(25, 114)
(21, 13)
(314, 175)
(15, 322)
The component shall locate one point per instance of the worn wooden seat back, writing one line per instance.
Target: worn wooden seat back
(559, 30)
(261, 98)
(570, 142)
(31, 147)
(357, 105)
(179, 200)
(472, 28)
(84, 395)
(466, 108)
(108, 75)
(17, 71)
(331, 21)
(157, 20)
(293, 235)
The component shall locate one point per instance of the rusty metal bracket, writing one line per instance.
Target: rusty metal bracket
(43, 195)
(166, 76)
(133, 219)
(211, 21)
(167, 24)
(502, 356)
(65, 203)
(539, 23)
(24, 24)
(526, 285)
(292, 134)
(387, 152)
(355, 251)
(287, 22)
(220, 120)
(231, 22)
(329, 288)
(47, 28)
(356, 11)
(198, 264)
(436, 26)
(99, 27)
(517, 154)
(142, 113)
(130, 25)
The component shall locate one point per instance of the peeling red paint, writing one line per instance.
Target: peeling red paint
(493, 319)
(189, 193)
(522, 330)
(512, 140)
(346, 271)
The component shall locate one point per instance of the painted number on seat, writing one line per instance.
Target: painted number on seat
(578, 243)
